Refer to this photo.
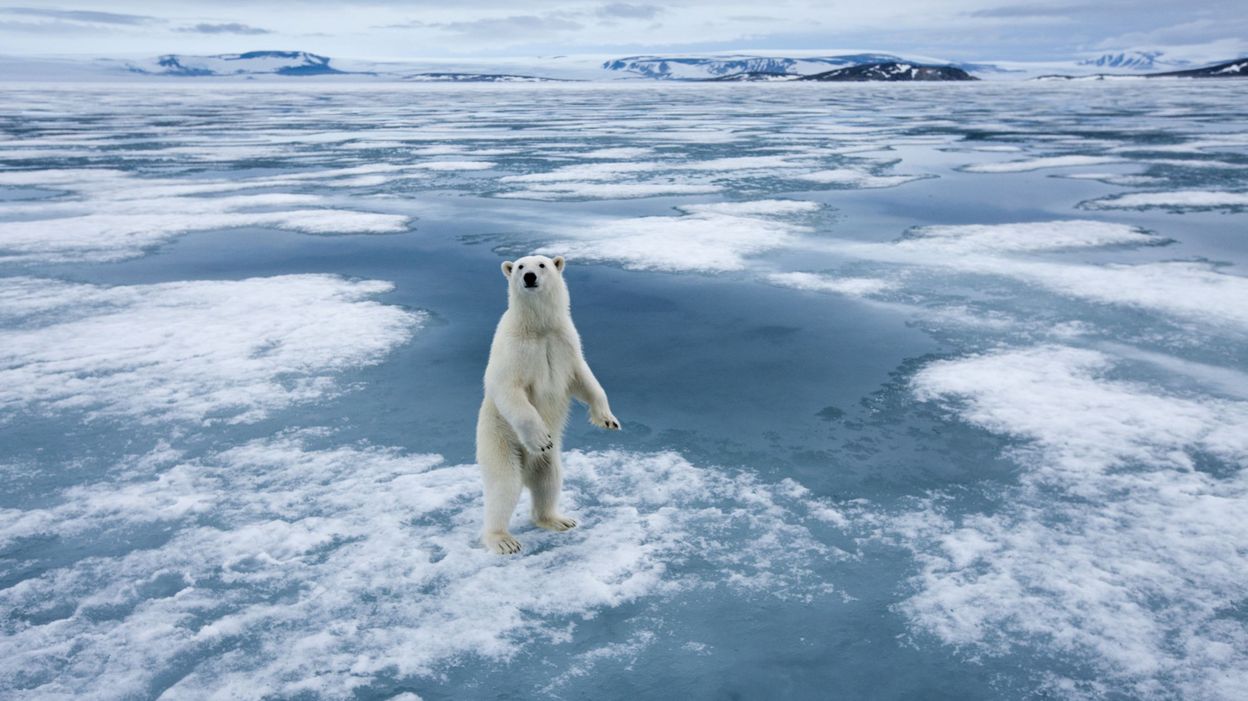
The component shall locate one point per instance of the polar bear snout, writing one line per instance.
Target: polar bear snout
(530, 279)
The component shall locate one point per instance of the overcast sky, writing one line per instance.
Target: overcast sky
(953, 29)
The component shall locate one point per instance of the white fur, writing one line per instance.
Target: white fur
(536, 367)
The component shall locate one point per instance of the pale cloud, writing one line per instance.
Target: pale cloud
(509, 26)
(224, 28)
(86, 16)
(1030, 10)
(626, 10)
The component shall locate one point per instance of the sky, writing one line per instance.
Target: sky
(964, 30)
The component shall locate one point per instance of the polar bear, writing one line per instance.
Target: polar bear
(535, 368)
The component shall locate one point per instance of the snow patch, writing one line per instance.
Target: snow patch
(1191, 290)
(608, 191)
(196, 351)
(1024, 236)
(617, 152)
(705, 238)
(585, 179)
(858, 179)
(1117, 550)
(453, 165)
(286, 570)
(113, 215)
(849, 286)
(1178, 199)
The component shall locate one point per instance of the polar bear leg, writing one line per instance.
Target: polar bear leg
(501, 470)
(543, 475)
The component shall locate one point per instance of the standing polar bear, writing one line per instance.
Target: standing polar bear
(535, 368)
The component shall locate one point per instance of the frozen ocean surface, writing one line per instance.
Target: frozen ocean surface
(929, 391)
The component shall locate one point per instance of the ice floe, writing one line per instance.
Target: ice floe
(704, 238)
(1023, 236)
(114, 215)
(1176, 199)
(612, 180)
(1120, 549)
(616, 152)
(1190, 290)
(1102, 558)
(609, 191)
(850, 286)
(996, 148)
(286, 570)
(642, 178)
(231, 350)
(857, 178)
(454, 165)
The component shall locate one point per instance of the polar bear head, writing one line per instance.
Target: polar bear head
(534, 273)
(536, 280)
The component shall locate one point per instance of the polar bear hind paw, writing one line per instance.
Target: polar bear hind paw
(501, 543)
(555, 523)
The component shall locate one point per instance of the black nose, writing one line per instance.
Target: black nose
(530, 279)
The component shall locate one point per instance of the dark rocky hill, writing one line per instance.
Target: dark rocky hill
(892, 71)
(1230, 69)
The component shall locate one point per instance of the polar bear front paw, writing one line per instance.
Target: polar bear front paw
(555, 523)
(603, 418)
(501, 543)
(538, 440)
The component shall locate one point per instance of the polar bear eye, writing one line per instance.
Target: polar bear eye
(541, 265)
(520, 268)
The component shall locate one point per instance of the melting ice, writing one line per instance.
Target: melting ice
(930, 390)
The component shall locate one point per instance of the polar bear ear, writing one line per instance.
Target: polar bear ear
(559, 263)
(507, 265)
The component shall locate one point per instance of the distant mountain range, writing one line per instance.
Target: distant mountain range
(298, 63)
(846, 67)
(701, 68)
(744, 67)
(294, 63)
(728, 67)
(477, 78)
(1229, 69)
(892, 71)
(1135, 61)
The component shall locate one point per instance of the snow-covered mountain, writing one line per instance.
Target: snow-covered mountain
(294, 63)
(443, 77)
(742, 66)
(891, 71)
(1136, 60)
(1229, 69)
(714, 67)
